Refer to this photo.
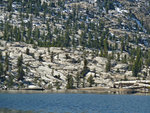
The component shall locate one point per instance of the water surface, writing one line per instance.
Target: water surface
(75, 103)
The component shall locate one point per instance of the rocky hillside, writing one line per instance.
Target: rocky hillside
(49, 67)
(140, 9)
(61, 44)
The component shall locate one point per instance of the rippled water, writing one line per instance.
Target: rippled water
(74, 103)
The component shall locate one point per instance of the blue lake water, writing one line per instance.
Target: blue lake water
(76, 103)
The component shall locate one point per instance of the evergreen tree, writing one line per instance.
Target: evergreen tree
(83, 82)
(137, 65)
(77, 78)
(85, 69)
(90, 80)
(1, 69)
(122, 45)
(10, 81)
(124, 59)
(108, 65)
(118, 57)
(27, 51)
(6, 62)
(57, 84)
(1, 57)
(147, 61)
(20, 61)
(70, 82)
(52, 57)
(10, 5)
(21, 73)
(40, 58)
(105, 47)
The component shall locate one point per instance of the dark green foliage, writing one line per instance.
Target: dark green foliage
(108, 5)
(85, 69)
(40, 58)
(20, 61)
(137, 65)
(122, 45)
(6, 62)
(32, 35)
(1, 57)
(67, 56)
(85, 63)
(147, 61)
(108, 65)
(57, 84)
(21, 73)
(105, 48)
(9, 5)
(83, 82)
(1, 69)
(10, 81)
(90, 80)
(118, 56)
(50, 86)
(124, 59)
(52, 56)
(77, 78)
(27, 51)
(70, 82)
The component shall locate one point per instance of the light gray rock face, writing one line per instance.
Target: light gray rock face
(66, 61)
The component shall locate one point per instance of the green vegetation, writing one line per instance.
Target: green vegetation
(90, 80)
(137, 65)
(70, 82)
(108, 65)
(65, 24)
(77, 78)
(20, 71)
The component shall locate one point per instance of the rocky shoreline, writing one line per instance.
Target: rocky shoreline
(88, 90)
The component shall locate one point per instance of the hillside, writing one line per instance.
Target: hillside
(73, 43)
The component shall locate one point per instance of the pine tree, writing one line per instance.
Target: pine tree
(137, 65)
(40, 58)
(27, 51)
(20, 61)
(118, 57)
(52, 57)
(10, 5)
(83, 82)
(1, 69)
(6, 62)
(20, 71)
(85, 69)
(1, 57)
(77, 78)
(105, 47)
(90, 80)
(147, 61)
(108, 65)
(57, 84)
(122, 45)
(70, 82)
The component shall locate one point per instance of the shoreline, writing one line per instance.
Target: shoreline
(88, 90)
